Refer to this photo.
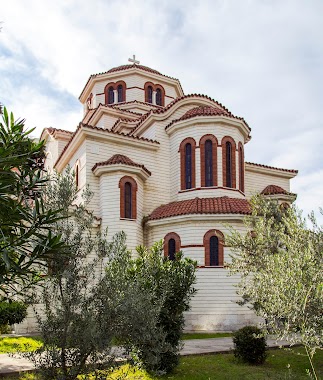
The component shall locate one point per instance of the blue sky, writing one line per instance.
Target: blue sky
(262, 59)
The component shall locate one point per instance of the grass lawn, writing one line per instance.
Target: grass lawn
(187, 336)
(225, 366)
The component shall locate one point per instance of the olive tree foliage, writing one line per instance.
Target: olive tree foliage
(280, 261)
(160, 291)
(26, 236)
(95, 295)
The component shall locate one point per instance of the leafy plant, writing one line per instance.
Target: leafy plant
(250, 345)
(12, 312)
(26, 237)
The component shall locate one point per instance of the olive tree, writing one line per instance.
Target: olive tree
(280, 261)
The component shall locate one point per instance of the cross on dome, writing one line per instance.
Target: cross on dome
(133, 60)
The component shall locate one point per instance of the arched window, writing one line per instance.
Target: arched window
(128, 198)
(149, 94)
(229, 162)
(158, 97)
(188, 166)
(187, 154)
(241, 167)
(213, 248)
(208, 151)
(120, 93)
(110, 95)
(208, 164)
(172, 245)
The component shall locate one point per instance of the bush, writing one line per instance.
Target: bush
(12, 312)
(249, 346)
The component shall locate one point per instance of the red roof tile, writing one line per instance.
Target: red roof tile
(219, 205)
(204, 111)
(170, 105)
(274, 189)
(52, 130)
(272, 167)
(120, 159)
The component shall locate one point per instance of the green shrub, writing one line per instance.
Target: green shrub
(249, 346)
(12, 312)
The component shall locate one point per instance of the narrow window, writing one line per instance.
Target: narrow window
(214, 251)
(128, 200)
(110, 95)
(158, 97)
(241, 171)
(150, 94)
(120, 93)
(171, 249)
(77, 177)
(228, 159)
(188, 166)
(208, 163)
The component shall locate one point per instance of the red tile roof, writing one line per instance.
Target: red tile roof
(132, 66)
(204, 111)
(170, 105)
(274, 189)
(220, 205)
(82, 125)
(52, 130)
(272, 167)
(120, 159)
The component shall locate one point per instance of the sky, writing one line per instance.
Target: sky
(262, 59)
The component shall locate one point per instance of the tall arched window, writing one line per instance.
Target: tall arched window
(172, 245)
(128, 198)
(188, 166)
(208, 163)
(110, 95)
(187, 155)
(120, 93)
(241, 167)
(213, 248)
(208, 151)
(158, 97)
(229, 162)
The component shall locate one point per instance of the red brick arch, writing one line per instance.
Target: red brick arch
(214, 140)
(224, 164)
(134, 188)
(175, 236)
(206, 243)
(191, 141)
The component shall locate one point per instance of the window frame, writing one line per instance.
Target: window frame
(167, 238)
(182, 151)
(207, 248)
(202, 143)
(134, 188)
(225, 140)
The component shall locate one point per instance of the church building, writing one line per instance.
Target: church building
(166, 165)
